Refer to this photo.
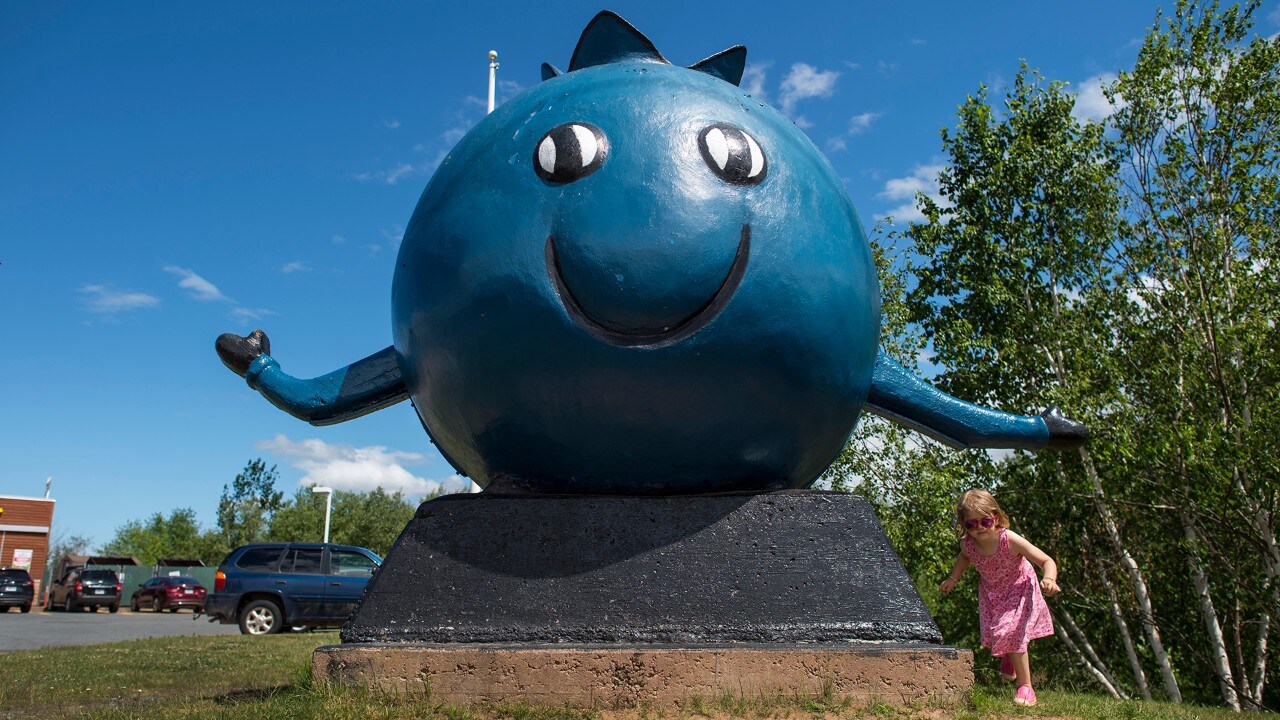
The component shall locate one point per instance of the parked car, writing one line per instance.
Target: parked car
(268, 587)
(87, 589)
(169, 593)
(16, 589)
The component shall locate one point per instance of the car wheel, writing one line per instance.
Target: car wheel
(173, 609)
(133, 603)
(261, 617)
(69, 604)
(4, 608)
(113, 607)
(155, 604)
(91, 608)
(26, 608)
(197, 609)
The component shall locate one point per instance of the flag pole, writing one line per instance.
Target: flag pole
(493, 72)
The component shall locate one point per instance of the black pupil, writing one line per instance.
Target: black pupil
(738, 167)
(568, 151)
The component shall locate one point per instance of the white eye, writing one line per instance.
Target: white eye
(570, 152)
(732, 154)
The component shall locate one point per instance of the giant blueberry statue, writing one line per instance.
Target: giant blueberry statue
(637, 306)
(637, 278)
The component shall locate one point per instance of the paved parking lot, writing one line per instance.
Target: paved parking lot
(38, 629)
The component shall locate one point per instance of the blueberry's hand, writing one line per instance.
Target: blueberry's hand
(1064, 433)
(947, 585)
(238, 352)
(1049, 587)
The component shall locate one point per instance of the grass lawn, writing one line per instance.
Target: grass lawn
(243, 677)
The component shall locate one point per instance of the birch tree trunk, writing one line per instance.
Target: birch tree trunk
(1081, 660)
(1139, 677)
(1143, 598)
(1213, 629)
(1093, 656)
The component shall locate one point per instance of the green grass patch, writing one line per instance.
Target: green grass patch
(270, 678)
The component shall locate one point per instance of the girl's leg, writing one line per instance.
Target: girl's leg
(1021, 667)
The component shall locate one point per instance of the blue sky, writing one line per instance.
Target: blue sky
(169, 172)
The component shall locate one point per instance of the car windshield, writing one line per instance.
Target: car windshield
(99, 575)
(183, 580)
(14, 576)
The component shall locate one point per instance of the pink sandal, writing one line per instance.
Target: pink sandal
(1006, 669)
(1026, 697)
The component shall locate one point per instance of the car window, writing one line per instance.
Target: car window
(182, 579)
(99, 576)
(351, 564)
(259, 559)
(302, 561)
(152, 582)
(14, 576)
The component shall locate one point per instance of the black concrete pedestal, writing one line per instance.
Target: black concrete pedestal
(785, 567)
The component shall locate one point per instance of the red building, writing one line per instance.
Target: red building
(24, 534)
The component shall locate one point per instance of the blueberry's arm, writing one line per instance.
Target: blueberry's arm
(349, 392)
(899, 395)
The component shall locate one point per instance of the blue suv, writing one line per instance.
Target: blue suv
(267, 587)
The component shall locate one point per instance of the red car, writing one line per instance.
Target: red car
(171, 593)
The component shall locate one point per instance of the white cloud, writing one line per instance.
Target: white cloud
(358, 469)
(391, 124)
(1091, 103)
(836, 144)
(886, 67)
(852, 65)
(393, 237)
(918, 41)
(753, 80)
(338, 240)
(392, 176)
(1274, 16)
(805, 82)
(1146, 287)
(859, 124)
(295, 266)
(196, 286)
(244, 315)
(903, 190)
(108, 301)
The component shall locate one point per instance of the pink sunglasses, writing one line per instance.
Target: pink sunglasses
(986, 522)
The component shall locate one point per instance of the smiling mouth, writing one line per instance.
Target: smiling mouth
(644, 337)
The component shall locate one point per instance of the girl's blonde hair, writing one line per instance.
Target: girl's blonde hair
(982, 503)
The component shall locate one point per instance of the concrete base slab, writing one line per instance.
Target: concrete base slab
(618, 675)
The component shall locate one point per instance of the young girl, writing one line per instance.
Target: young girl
(1011, 609)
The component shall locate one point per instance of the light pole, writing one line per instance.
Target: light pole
(328, 505)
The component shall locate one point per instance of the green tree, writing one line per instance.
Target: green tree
(247, 504)
(177, 536)
(372, 520)
(1198, 133)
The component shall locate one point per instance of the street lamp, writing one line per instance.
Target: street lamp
(328, 504)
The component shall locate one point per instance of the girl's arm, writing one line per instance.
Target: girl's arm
(1020, 546)
(962, 564)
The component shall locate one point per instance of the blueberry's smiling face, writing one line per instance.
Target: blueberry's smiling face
(635, 277)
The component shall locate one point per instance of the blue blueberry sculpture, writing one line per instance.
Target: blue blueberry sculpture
(637, 278)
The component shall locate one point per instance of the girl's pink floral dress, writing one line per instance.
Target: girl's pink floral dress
(1011, 610)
